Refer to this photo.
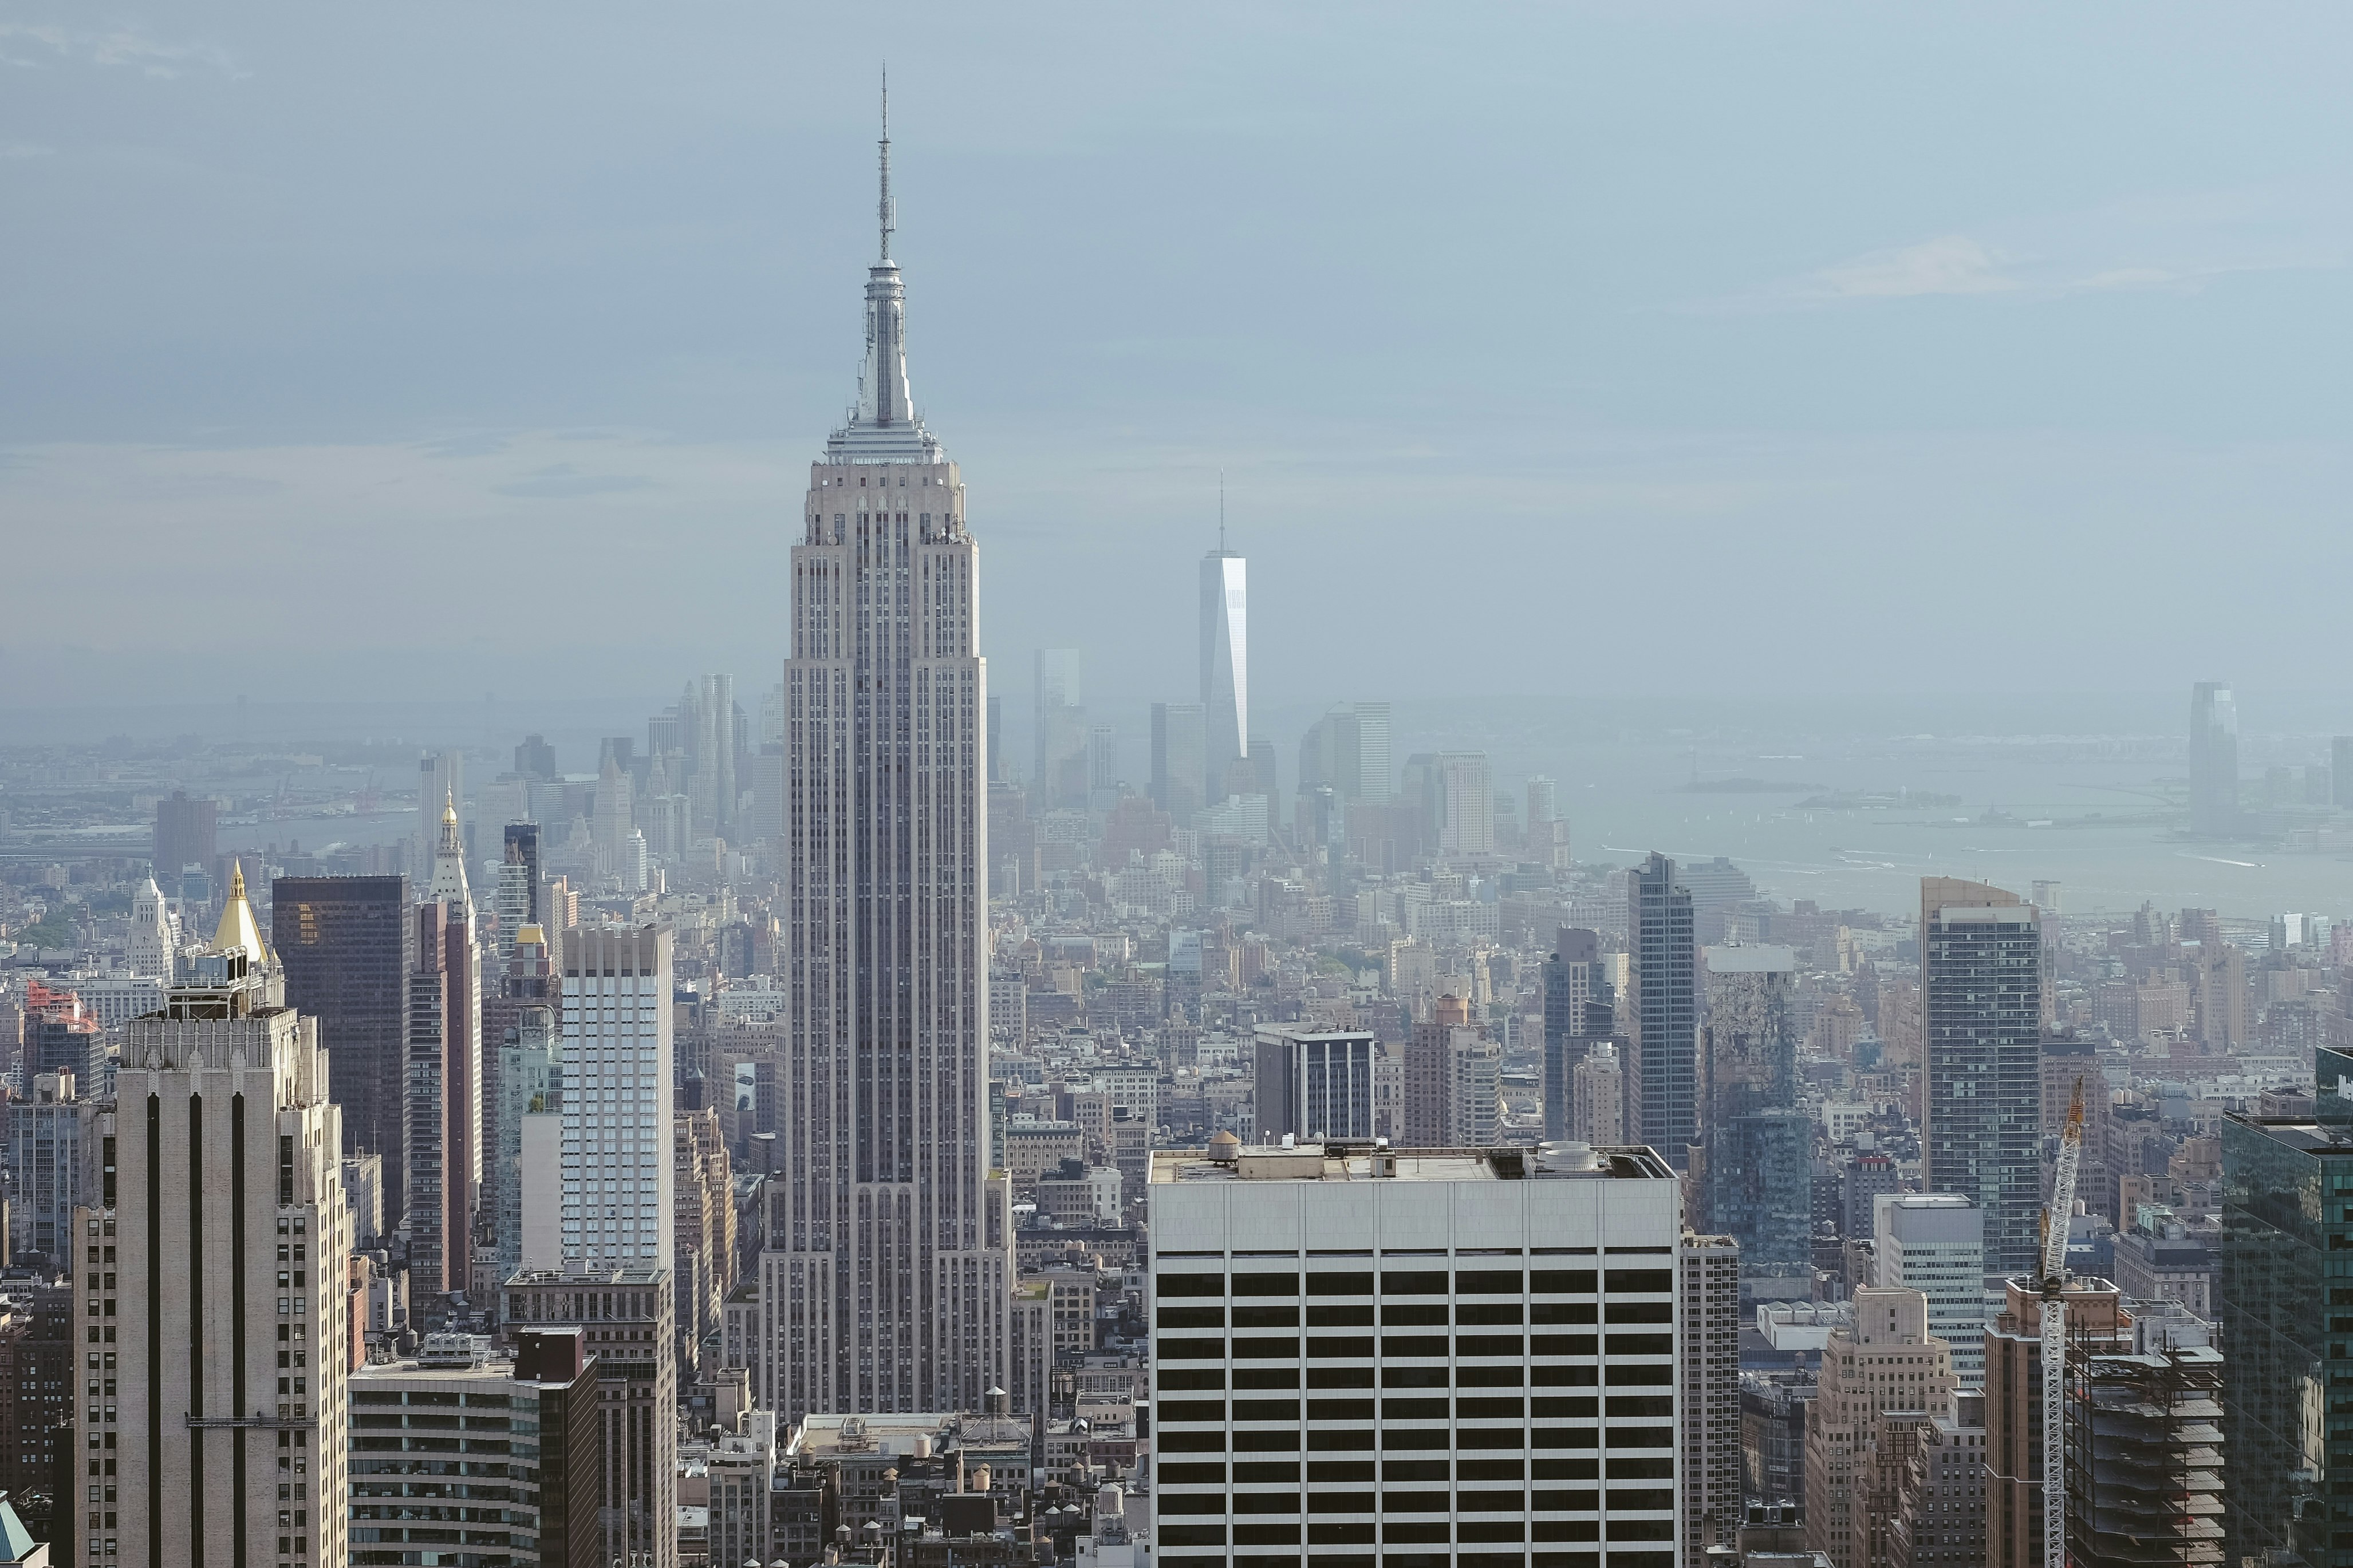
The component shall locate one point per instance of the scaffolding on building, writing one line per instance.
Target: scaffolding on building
(2144, 1456)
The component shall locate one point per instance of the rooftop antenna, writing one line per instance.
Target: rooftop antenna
(888, 212)
(1221, 511)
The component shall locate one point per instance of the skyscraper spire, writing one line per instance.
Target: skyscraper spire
(888, 216)
(882, 426)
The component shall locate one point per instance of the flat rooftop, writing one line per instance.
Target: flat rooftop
(2312, 1136)
(1367, 1163)
(431, 1371)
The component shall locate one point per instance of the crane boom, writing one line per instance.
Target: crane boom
(2053, 1281)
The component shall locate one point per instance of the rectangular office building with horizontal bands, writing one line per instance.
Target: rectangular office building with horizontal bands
(1414, 1358)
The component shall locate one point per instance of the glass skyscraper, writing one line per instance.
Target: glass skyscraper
(1225, 666)
(2286, 1305)
(1758, 1142)
(1662, 1098)
(347, 945)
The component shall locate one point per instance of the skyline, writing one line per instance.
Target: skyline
(1757, 372)
(861, 1142)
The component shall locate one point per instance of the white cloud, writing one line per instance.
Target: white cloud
(1950, 264)
(12, 152)
(2173, 242)
(121, 45)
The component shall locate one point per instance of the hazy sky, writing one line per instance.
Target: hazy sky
(1620, 349)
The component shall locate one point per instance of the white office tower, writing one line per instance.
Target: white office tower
(1454, 1356)
(886, 1287)
(210, 1293)
(1935, 1243)
(616, 1061)
(152, 940)
(1225, 669)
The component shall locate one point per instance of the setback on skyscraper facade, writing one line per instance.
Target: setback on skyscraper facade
(887, 1284)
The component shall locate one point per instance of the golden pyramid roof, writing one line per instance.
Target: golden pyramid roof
(237, 928)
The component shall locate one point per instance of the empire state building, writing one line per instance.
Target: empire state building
(886, 1287)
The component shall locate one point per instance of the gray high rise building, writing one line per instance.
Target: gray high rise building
(1348, 749)
(1580, 1012)
(1059, 708)
(2214, 760)
(348, 944)
(1225, 670)
(1315, 1084)
(1179, 743)
(718, 753)
(1662, 1004)
(529, 1083)
(1981, 1023)
(886, 1286)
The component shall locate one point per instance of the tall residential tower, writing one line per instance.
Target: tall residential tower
(1981, 1010)
(886, 1287)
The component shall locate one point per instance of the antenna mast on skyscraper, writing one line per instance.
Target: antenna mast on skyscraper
(1221, 511)
(888, 216)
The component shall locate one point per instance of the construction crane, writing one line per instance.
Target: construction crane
(2053, 1281)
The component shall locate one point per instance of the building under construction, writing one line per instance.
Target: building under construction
(2098, 1324)
(2145, 1446)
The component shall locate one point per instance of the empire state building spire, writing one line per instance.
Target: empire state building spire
(888, 212)
(883, 427)
(887, 1284)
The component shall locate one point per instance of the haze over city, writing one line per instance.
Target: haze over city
(1813, 327)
